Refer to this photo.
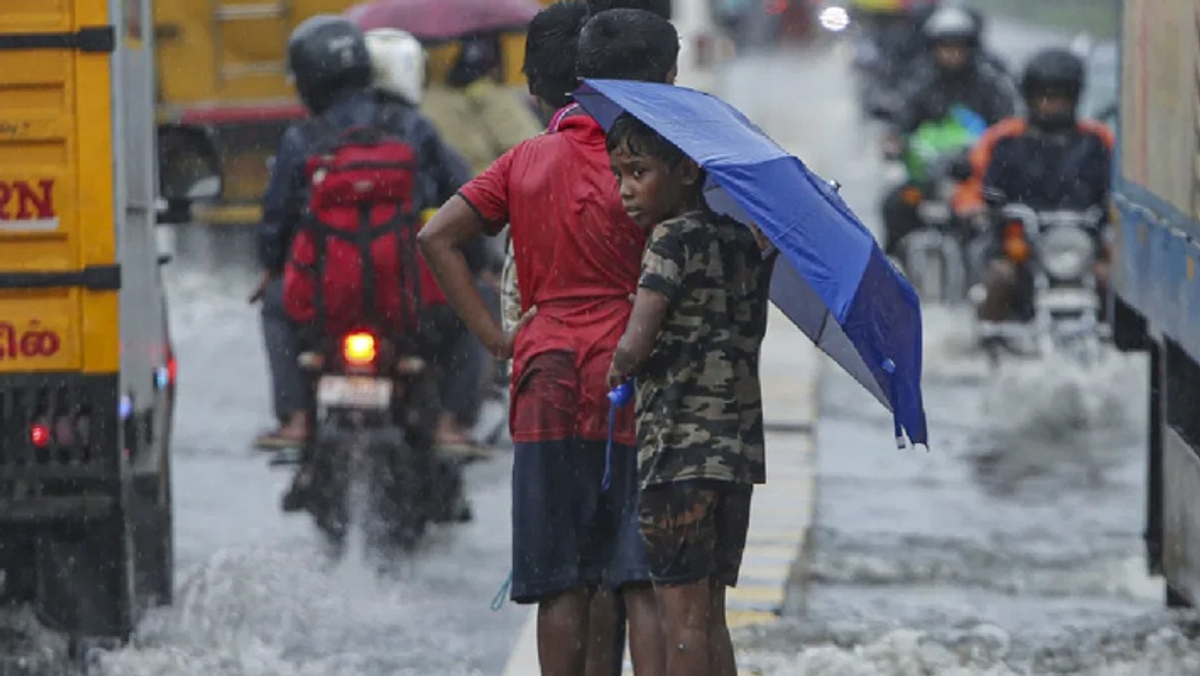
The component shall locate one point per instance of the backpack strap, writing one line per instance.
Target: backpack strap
(401, 121)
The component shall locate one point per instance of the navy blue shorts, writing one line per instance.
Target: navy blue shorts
(568, 532)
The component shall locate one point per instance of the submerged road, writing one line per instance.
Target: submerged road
(1013, 547)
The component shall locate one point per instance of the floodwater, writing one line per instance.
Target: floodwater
(1011, 547)
(1014, 545)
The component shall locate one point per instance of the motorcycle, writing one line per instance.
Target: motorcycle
(934, 257)
(1059, 305)
(372, 464)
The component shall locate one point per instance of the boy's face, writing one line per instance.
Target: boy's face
(651, 190)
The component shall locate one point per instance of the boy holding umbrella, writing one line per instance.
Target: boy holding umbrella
(693, 344)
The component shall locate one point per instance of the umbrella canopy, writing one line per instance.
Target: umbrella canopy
(444, 19)
(832, 279)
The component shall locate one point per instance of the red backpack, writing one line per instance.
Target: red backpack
(354, 261)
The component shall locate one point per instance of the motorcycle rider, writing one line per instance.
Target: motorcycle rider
(398, 63)
(923, 59)
(1048, 160)
(331, 66)
(482, 119)
(894, 31)
(958, 77)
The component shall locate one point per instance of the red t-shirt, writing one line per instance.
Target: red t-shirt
(577, 254)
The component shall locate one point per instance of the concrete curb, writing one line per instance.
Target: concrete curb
(783, 508)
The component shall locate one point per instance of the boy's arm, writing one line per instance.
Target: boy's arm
(645, 321)
(480, 207)
(662, 274)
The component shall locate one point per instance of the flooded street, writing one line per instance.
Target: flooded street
(255, 593)
(1014, 546)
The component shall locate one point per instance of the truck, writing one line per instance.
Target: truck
(87, 372)
(1156, 294)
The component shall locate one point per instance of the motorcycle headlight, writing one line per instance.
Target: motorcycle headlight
(1066, 253)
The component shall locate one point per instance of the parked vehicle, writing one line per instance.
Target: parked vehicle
(1156, 248)
(87, 371)
(223, 70)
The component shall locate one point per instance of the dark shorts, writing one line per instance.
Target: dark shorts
(568, 532)
(695, 530)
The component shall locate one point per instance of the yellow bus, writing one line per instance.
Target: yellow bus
(222, 68)
(86, 366)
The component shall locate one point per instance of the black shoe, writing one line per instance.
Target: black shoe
(296, 498)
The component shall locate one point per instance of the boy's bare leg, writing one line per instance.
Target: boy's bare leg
(720, 646)
(563, 632)
(646, 643)
(602, 625)
(687, 611)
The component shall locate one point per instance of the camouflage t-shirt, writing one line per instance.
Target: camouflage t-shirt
(699, 397)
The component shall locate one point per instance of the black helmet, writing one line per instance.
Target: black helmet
(327, 55)
(1053, 70)
(955, 24)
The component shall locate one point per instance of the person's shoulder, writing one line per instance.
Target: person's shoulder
(537, 146)
(993, 70)
(694, 222)
(1098, 130)
(1006, 129)
(687, 230)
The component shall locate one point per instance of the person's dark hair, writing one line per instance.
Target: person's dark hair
(627, 44)
(479, 57)
(551, 44)
(659, 7)
(638, 138)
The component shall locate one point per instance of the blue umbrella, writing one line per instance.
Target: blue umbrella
(832, 279)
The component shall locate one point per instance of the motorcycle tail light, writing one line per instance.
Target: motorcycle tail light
(39, 434)
(359, 348)
(1015, 246)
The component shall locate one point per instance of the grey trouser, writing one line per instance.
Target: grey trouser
(279, 336)
(458, 358)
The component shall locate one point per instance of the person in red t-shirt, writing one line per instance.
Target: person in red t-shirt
(578, 256)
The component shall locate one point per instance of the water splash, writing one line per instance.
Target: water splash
(1162, 644)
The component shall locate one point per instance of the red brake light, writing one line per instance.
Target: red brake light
(39, 434)
(171, 368)
(358, 348)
